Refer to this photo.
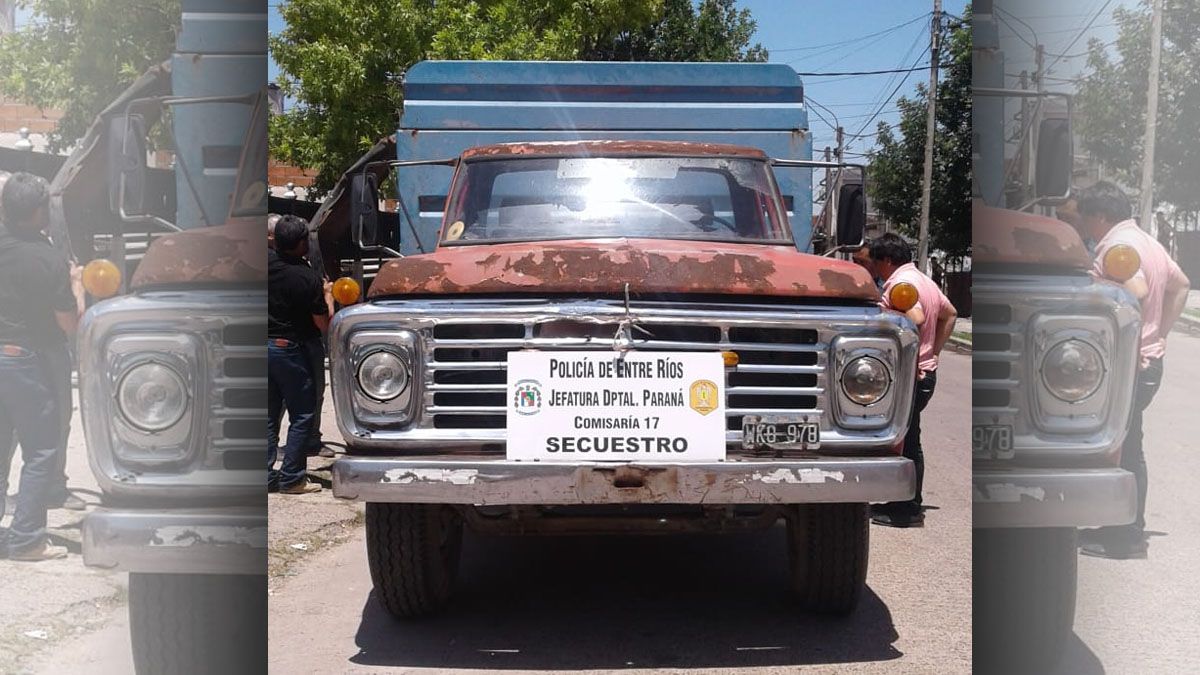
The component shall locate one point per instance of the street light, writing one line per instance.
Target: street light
(23, 143)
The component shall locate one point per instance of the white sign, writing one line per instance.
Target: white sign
(665, 407)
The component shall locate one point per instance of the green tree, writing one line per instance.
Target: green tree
(78, 55)
(716, 30)
(1112, 102)
(342, 61)
(897, 164)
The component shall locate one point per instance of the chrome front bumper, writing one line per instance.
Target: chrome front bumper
(177, 541)
(437, 480)
(1024, 497)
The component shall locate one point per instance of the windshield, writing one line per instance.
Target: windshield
(540, 198)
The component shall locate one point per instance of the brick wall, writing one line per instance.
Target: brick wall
(279, 175)
(13, 116)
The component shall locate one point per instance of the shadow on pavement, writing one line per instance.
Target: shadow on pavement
(565, 603)
(1079, 659)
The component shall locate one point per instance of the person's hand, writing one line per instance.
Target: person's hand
(76, 272)
(328, 287)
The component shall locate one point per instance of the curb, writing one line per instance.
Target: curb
(959, 344)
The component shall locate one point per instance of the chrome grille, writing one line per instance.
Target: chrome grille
(239, 396)
(997, 347)
(780, 370)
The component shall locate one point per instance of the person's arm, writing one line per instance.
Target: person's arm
(945, 327)
(322, 307)
(1174, 299)
(916, 315)
(68, 320)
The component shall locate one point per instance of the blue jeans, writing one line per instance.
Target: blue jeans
(29, 408)
(290, 385)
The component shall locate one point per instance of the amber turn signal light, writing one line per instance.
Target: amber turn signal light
(903, 296)
(346, 291)
(730, 359)
(1121, 262)
(101, 278)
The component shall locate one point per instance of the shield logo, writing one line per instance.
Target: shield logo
(703, 398)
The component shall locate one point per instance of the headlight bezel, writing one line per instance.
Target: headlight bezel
(865, 358)
(402, 409)
(133, 444)
(1050, 413)
(847, 413)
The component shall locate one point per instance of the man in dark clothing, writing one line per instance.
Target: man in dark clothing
(298, 313)
(41, 300)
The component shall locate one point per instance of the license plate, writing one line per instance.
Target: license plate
(780, 432)
(994, 440)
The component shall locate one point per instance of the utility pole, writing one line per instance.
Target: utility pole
(1147, 205)
(930, 128)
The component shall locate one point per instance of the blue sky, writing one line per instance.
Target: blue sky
(793, 31)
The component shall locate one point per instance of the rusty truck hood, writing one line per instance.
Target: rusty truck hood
(235, 253)
(604, 266)
(1003, 236)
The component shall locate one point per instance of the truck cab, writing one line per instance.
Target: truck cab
(609, 329)
(1055, 357)
(172, 358)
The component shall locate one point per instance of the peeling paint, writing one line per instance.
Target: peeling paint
(234, 253)
(183, 536)
(798, 476)
(452, 476)
(1002, 236)
(1011, 492)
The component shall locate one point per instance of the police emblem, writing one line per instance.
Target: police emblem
(703, 398)
(527, 397)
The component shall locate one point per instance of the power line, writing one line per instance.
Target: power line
(876, 72)
(1080, 34)
(858, 134)
(842, 43)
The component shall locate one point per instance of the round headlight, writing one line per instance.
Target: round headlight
(1072, 370)
(152, 397)
(382, 375)
(865, 380)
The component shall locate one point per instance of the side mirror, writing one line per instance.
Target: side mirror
(1055, 159)
(364, 210)
(127, 165)
(851, 214)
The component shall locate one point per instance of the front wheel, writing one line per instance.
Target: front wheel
(828, 546)
(1023, 604)
(413, 552)
(198, 623)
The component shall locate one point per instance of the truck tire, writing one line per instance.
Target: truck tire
(1023, 593)
(413, 551)
(828, 546)
(198, 623)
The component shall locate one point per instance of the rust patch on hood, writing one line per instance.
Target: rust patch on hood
(235, 253)
(610, 148)
(604, 266)
(1003, 236)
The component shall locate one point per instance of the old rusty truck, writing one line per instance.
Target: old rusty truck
(172, 352)
(602, 318)
(1055, 352)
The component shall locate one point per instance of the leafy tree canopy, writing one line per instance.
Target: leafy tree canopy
(897, 164)
(1111, 102)
(342, 61)
(78, 55)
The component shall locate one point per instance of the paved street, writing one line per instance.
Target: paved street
(710, 604)
(1140, 615)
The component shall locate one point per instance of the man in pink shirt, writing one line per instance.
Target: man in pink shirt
(891, 260)
(1161, 287)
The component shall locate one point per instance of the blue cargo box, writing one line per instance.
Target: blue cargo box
(450, 106)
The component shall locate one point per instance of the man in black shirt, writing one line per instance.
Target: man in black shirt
(297, 314)
(41, 300)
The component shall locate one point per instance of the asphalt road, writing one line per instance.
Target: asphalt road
(1139, 616)
(706, 603)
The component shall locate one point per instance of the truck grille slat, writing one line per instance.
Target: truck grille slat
(239, 396)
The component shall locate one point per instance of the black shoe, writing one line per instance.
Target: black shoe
(898, 518)
(1137, 549)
